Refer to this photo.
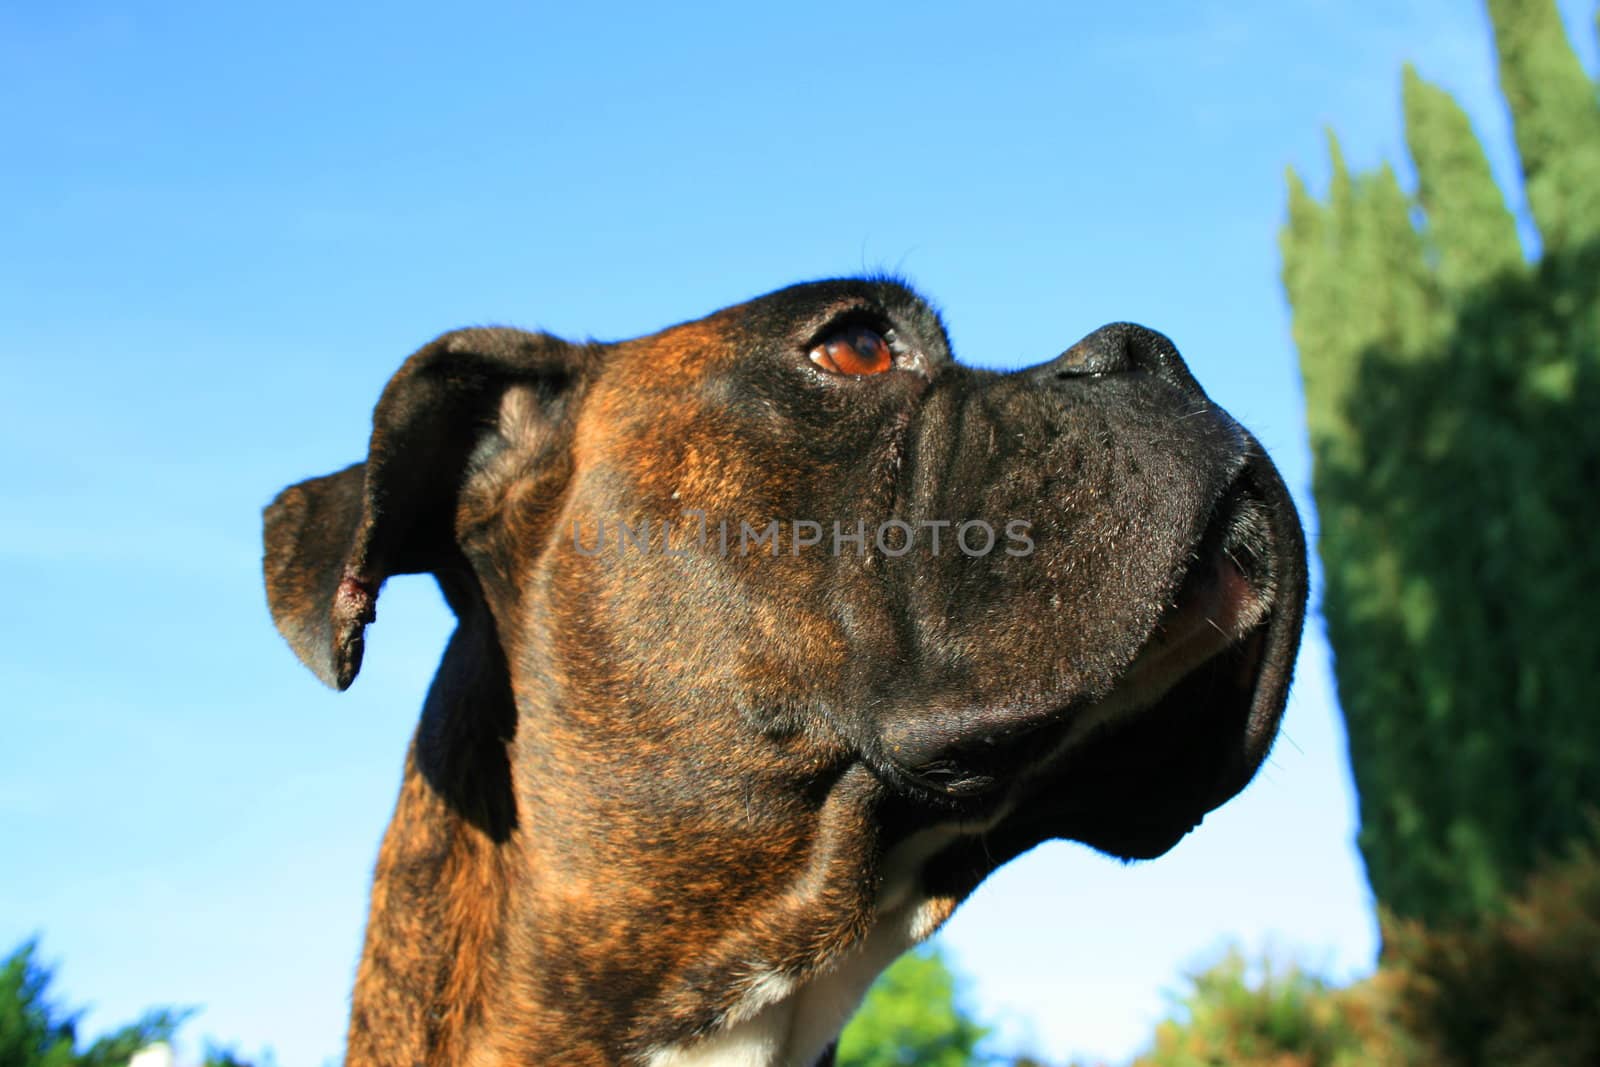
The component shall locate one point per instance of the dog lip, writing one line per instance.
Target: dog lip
(1226, 604)
(971, 774)
(1221, 611)
(950, 779)
(1225, 595)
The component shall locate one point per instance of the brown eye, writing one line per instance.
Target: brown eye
(854, 350)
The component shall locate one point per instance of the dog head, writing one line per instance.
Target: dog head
(781, 626)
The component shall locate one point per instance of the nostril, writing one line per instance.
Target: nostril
(1102, 352)
(1076, 362)
(1120, 348)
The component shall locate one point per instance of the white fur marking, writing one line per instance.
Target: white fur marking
(784, 1024)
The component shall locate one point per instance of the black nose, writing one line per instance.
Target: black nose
(1120, 348)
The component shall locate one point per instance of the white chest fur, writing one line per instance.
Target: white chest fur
(781, 1023)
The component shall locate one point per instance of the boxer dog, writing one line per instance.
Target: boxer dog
(778, 632)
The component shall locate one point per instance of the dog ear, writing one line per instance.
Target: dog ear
(332, 541)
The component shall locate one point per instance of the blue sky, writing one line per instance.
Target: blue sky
(224, 228)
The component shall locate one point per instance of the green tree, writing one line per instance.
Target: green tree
(1453, 398)
(223, 1056)
(1514, 987)
(913, 1016)
(36, 1033)
(1272, 1015)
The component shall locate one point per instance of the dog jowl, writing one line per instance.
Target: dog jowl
(725, 725)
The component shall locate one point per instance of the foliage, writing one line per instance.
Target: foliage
(1514, 989)
(221, 1056)
(1451, 389)
(1282, 1016)
(37, 1033)
(913, 1015)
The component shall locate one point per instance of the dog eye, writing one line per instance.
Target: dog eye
(855, 350)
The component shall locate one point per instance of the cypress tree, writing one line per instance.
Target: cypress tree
(1470, 228)
(1453, 401)
(1553, 112)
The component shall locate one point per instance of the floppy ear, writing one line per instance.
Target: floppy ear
(332, 541)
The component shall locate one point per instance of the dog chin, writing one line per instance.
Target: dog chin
(1132, 771)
